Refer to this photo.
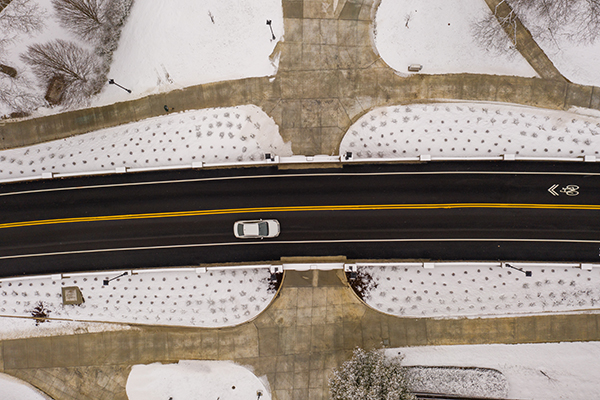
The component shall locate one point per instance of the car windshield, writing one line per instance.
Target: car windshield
(263, 229)
(240, 230)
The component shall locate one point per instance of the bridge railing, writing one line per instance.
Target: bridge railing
(300, 160)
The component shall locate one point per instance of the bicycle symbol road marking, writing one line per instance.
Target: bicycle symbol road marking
(570, 190)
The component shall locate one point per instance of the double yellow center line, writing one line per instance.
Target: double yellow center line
(177, 214)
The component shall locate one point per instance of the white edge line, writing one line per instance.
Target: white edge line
(178, 246)
(238, 177)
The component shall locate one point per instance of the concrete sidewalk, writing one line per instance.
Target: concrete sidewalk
(312, 327)
(525, 44)
(329, 75)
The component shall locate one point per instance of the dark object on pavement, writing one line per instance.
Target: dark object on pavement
(112, 82)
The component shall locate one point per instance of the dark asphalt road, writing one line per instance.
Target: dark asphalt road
(483, 233)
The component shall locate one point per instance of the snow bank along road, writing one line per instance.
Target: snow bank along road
(476, 211)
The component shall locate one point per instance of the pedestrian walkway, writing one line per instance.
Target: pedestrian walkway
(313, 326)
(329, 75)
(525, 44)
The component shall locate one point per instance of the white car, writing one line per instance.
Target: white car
(254, 229)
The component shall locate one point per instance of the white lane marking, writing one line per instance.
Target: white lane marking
(225, 178)
(192, 245)
(551, 189)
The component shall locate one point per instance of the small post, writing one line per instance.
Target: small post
(352, 270)
(112, 82)
(269, 23)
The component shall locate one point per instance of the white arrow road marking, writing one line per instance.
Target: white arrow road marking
(551, 190)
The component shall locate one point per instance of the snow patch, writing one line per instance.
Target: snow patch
(180, 297)
(193, 380)
(211, 135)
(471, 130)
(467, 382)
(162, 48)
(478, 291)
(437, 35)
(12, 388)
(544, 371)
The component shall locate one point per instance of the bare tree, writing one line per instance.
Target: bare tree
(370, 375)
(116, 13)
(577, 21)
(497, 32)
(20, 95)
(17, 16)
(16, 91)
(20, 16)
(76, 68)
(85, 18)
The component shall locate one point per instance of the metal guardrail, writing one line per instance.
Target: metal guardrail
(305, 160)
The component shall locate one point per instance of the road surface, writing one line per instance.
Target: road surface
(435, 211)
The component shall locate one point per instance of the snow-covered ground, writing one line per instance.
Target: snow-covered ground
(166, 46)
(546, 371)
(213, 135)
(182, 297)
(12, 388)
(437, 35)
(246, 134)
(453, 290)
(226, 297)
(170, 45)
(577, 60)
(458, 381)
(471, 130)
(195, 380)
(17, 44)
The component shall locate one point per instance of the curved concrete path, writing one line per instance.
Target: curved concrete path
(329, 75)
(312, 327)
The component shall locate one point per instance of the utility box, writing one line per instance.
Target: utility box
(415, 67)
(71, 295)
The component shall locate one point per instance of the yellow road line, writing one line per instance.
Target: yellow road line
(299, 208)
